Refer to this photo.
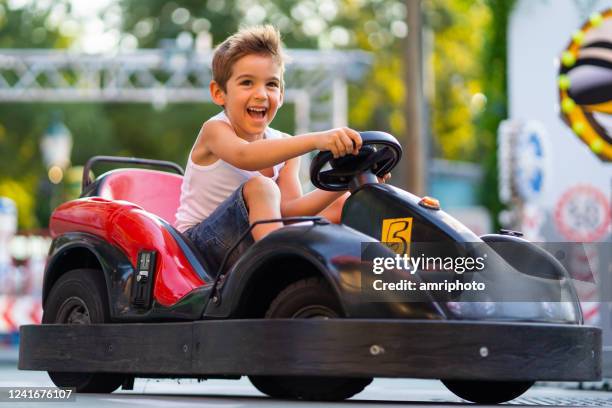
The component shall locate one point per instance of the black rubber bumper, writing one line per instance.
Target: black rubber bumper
(343, 347)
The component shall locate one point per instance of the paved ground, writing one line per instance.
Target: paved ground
(387, 393)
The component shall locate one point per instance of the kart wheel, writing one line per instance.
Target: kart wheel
(79, 297)
(308, 299)
(487, 392)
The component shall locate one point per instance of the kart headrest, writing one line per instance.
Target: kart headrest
(155, 191)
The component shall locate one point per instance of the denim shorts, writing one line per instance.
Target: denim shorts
(214, 236)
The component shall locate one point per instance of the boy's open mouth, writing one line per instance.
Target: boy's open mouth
(257, 113)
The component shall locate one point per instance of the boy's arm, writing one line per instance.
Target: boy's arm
(220, 139)
(293, 204)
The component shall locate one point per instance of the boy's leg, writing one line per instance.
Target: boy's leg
(333, 212)
(262, 197)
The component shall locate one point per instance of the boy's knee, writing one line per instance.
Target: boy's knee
(260, 186)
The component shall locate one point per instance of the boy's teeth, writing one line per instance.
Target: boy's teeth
(257, 111)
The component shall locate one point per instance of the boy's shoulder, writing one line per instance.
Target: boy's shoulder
(212, 132)
(219, 117)
(212, 128)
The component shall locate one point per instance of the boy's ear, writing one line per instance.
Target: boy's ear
(282, 97)
(216, 93)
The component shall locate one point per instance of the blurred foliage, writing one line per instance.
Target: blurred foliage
(21, 192)
(495, 86)
(457, 28)
(465, 76)
(22, 124)
(31, 26)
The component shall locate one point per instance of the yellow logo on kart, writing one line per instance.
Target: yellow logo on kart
(396, 234)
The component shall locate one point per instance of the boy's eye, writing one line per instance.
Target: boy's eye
(273, 84)
(246, 82)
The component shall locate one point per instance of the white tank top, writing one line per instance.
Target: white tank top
(205, 187)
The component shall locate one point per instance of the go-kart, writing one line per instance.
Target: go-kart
(126, 295)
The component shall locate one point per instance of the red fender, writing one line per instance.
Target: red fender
(131, 229)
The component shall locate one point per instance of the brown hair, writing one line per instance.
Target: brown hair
(257, 40)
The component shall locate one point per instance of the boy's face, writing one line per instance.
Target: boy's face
(253, 94)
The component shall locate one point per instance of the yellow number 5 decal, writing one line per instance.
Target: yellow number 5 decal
(396, 233)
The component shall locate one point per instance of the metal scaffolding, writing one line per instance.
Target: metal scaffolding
(316, 81)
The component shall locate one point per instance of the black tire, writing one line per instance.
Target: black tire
(310, 298)
(79, 297)
(487, 392)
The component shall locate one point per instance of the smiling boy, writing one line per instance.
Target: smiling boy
(239, 169)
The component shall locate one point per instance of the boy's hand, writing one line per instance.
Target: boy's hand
(340, 141)
(384, 178)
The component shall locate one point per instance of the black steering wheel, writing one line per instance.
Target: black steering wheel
(379, 154)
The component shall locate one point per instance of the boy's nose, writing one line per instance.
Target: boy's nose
(260, 92)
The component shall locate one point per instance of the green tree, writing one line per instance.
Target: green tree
(456, 60)
(495, 86)
(22, 124)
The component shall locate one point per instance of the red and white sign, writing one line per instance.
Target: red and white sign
(582, 214)
(19, 310)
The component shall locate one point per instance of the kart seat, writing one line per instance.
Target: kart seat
(157, 192)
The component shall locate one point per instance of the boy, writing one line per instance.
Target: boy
(240, 170)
